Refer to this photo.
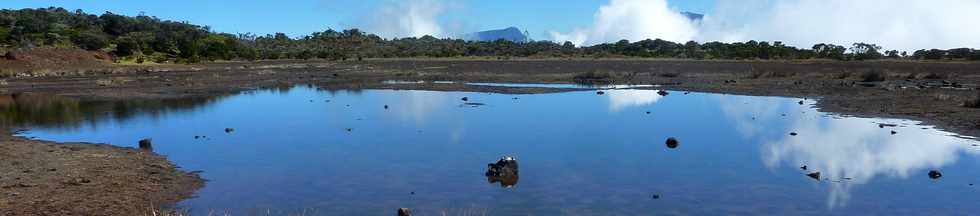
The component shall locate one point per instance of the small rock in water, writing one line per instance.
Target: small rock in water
(465, 99)
(793, 134)
(386, 106)
(600, 92)
(648, 112)
(935, 174)
(229, 130)
(146, 144)
(404, 212)
(801, 102)
(815, 175)
(663, 93)
(893, 132)
(197, 137)
(413, 193)
(803, 167)
(504, 171)
(887, 125)
(672, 143)
(656, 196)
(350, 129)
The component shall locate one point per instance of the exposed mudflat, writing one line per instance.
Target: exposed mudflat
(44, 178)
(117, 180)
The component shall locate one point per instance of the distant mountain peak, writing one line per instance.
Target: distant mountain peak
(513, 34)
(693, 16)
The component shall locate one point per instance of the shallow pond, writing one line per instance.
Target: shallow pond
(301, 150)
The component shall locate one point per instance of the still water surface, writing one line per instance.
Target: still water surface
(299, 149)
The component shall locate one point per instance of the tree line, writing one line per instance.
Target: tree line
(145, 38)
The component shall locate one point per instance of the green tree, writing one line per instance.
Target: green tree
(865, 51)
(90, 41)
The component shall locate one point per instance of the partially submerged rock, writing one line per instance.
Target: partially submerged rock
(672, 142)
(146, 144)
(793, 134)
(887, 125)
(504, 171)
(404, 212)
(229, 130)
(814, 175)
(663, 93)
(465, 99)
(935, 174)
(600, 92)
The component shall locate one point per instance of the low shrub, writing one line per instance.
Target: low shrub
(973, 103)
(593, 77)
(873, 76)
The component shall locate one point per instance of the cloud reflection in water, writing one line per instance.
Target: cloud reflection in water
(848, 152)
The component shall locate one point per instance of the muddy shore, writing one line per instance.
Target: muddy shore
(44, 178)
(932, 92)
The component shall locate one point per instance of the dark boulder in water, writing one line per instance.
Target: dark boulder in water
(663, 93)
(815, 175)
(229, 130)
(146, 144)
(793, 134)
(935, 174)
(672, 142)
(803, 167)
(404, 212)
(600, 92)
(465, 99)
(504, 171)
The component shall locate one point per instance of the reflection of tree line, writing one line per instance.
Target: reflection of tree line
(41, 110)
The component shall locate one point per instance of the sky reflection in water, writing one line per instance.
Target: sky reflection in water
(579, 152)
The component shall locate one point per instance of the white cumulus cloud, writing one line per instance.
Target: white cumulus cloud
(893, 24)
(632, 20)
(408, 18)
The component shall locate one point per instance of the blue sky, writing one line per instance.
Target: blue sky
(299, 17)
(936, 23)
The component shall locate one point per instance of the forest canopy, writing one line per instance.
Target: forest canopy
(146, 38)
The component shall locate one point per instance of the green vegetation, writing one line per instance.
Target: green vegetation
(144, 38)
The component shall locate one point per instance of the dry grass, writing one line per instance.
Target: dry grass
(593, 77)
(973, 103)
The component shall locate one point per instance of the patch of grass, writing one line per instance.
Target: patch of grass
(873, 76)
(973, 103)
(593, 78)
(756, 74)
(934, 76)
(669, 75)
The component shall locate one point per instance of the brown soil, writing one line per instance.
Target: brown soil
(44, 178)
(50, 61)
(934, 92)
